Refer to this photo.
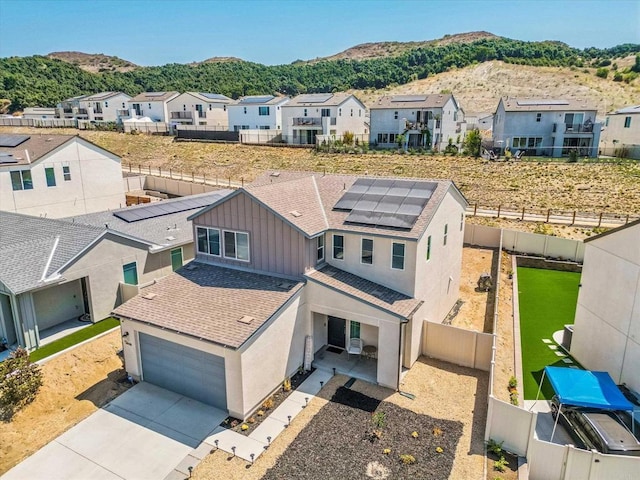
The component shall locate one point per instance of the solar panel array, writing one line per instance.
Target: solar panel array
(542, 102)
(314, 98)
(386, 202)
(7, 158)
(214, 96)
(154, 94)
(12, 141)
(166, 208)
(409, 98)
(262, 99)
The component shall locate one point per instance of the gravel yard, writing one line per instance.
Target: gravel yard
(476, 313)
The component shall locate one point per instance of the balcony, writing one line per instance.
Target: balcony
(181, 115)
(573, 128)
(122, 113)
(415, 126)
(82, 111)
(307, 121)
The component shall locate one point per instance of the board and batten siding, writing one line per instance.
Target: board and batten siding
(274, 246)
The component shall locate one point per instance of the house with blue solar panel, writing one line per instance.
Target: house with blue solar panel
(195, 108)
(58, 175)
(300, 270)
(256, 112)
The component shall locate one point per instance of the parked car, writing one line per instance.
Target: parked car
(597, 429)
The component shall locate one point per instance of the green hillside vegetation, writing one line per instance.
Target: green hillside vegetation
(42, 81)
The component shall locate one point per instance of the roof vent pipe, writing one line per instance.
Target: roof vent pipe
(26, 152)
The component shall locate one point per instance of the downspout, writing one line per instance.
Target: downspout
(403, 326)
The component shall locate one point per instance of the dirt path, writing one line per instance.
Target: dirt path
(75, 385)
(505, 364)
(476, 312)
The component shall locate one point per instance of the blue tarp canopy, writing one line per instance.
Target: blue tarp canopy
(584, 388)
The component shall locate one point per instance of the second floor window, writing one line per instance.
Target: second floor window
(366, 252)
(428, 248)
(397, 256)
(263, 110)
(50, 174)
(208, 240)
(326, 112)
(130, 273)
(446, 232)
(461, 221)
(21, 180)
(320, 248)
(236, 245)
(627, 122)
(338, 247)
(66, 173)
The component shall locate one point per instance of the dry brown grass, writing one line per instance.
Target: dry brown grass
(587, 187)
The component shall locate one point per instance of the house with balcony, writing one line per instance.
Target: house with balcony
(422, 121)
(256, 112)
(70, 109)
(105, 106)
(59, 275)
(546, 127)
(621, 133)
(195, 108)
(153, 105)
(329, 115)
(58, 175)
(299, 269)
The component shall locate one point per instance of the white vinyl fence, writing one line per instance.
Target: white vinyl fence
(457, 345)
(166, 185)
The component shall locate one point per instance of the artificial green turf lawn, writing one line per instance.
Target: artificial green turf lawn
(547, 303)
(74, 338)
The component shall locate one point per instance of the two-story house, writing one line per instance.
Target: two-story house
(105, 106)
(547, 127)
(328, 114)
(289, 266)
(154, 105)
(256, 112)
(194, 108)
(70, 109)
(424, 121)
(621, 133)
(57, 176)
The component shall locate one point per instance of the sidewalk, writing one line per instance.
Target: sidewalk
(250, 447)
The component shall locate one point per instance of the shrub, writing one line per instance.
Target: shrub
(513, 382)
(378, 419)
(19, 383)
(602, 72)
(414, 434)
(494, 447)
(500, 465)
(347, 138)
(573, 155)
(407, 459)
(268, 403)
(473, 143)
(617, 77)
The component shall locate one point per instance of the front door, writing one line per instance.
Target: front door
(336, 335)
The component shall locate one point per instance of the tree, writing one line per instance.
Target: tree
(19, 382)
(602, 72)
(473, 143)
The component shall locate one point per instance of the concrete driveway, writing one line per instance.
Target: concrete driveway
(145, 433)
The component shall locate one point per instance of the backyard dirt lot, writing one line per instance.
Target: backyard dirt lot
(75, 384)
(476, 313)
(584, 186)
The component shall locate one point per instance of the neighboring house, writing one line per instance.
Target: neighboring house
(70, 109)
(105, 106)
(39, 113)
(289, 265)
(546, 127)
(193, 108)
(53, 271)
(481, 120)
(425, 121)
(57, 176)
(606, 334)
(621, 133)
(256, 112)
(328, 114)
(154, 105)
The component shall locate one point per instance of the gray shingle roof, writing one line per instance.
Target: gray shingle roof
(627, 110)
(103, 96)
(317, 99)
(27, 243)
(154, 96)
(365, 290)
(162, 231)
(398, 102)
(208, 302)
(512, 104)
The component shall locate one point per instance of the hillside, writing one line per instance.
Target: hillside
(218, 60)
(479, 87)
(94, 62)
(393, 49)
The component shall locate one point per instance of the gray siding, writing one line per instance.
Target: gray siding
(274, 245)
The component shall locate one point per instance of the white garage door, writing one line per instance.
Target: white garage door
(183, 370)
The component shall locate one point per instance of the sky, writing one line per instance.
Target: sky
(276, 32)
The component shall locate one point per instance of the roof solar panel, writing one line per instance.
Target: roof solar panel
(214, 96)
(348, 200)
(368, 202)
(542, 102)
(154, 94)
(314, 98)
(389, 204)
(165, 208)
(408, 98)
(257, 99)
(12, 141)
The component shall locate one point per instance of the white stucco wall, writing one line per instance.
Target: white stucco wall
(155, 110)
(607, 323)
(95, 184)
(614, 129)
(238, 117)
(58, 304)
(109, 106)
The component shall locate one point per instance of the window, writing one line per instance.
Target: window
(627, 122)
(326, 112)
(176, 258)
(519, 142)
(397, 256)
(338, 247)
(359, 112)
(66, 173)
(305, 112)
(366, 251)
(395, 115)
(263, 110)
(461, 221)
(428, 248)
(106, 104)
(320, 248)
(392, 138)
(123, 105)
(383, 138)
(354, 329)
(236, 245)
(606, 122)
(352, 112)
(50, 173)
(245, 110)
(149, 106)
(538, 117)
(339, 112)
(437, 123)
(21, 180)
(208, 241)
(446, 232)
(130, 273)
